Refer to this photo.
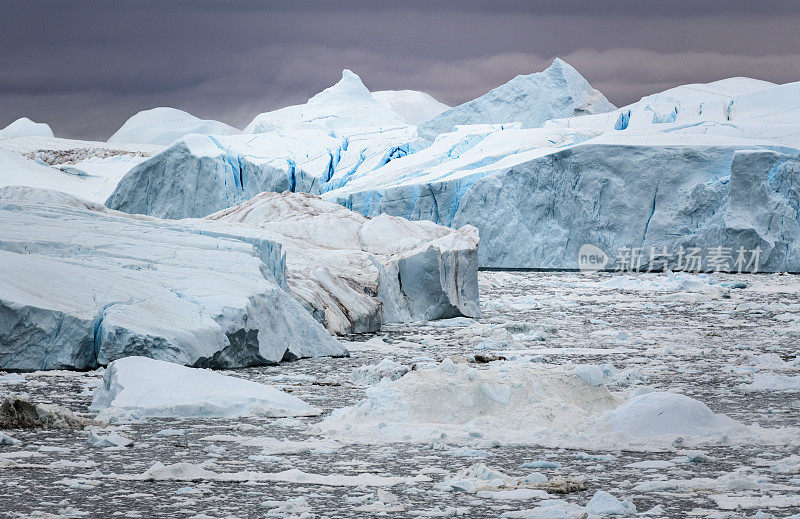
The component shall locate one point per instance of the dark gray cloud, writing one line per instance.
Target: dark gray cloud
(85, 67)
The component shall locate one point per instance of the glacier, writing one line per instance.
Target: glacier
(163, 125)
(615, 193)
(558, 91)
(83, 285)
(696, 166)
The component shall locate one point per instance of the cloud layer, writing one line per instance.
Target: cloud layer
(85, 67)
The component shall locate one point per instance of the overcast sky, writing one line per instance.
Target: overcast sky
(84, 67)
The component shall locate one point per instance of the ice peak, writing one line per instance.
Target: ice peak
(349, 87)
(24, 127)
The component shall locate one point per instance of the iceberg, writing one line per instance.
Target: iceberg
(558, 91)
(163, 126)
(199, 175)
(356, 273)
(347, 104)
(82, 286)
(155, 388)
(537, 207)
(24, 127)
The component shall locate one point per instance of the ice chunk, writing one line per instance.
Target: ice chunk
(773, 382)
(663, 413)
(8, 440)
(604, 504)
(507, 401)
(163, 389)
(355, 273)
(112, 439)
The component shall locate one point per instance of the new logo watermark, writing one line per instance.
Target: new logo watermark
(592, 258)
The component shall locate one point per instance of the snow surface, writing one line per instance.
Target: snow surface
(558, 91)
(413, 106)
(156, 388)
(86, 169)
(83, 285)
(24, 127)
(163, 126)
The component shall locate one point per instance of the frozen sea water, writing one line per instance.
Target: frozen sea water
(707, 343)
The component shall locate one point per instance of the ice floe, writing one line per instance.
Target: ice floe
(162, 389)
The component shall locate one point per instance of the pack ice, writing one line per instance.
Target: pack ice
(163, 126)
(356, 273)
(154, 388)
(83, 285)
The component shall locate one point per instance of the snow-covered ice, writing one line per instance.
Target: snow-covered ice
(162, 126)
(347, 104)
(162, 389)
(86, 169)
(24, 127)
